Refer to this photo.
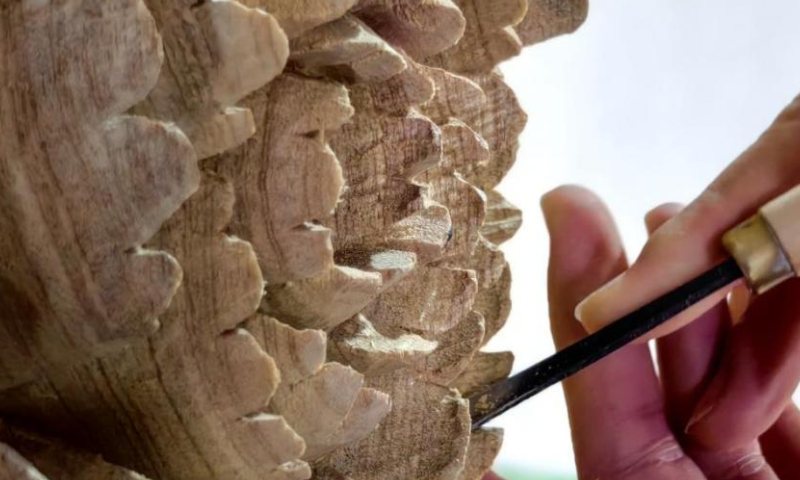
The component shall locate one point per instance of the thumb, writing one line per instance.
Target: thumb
(690, 244)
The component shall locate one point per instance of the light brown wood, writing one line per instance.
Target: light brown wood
(299, 16)
(346, 49)
(287, 177)
(255, 239)
(324, 402)
(503, 219)
(204, 383)
(489, 37)
(425, 436)
(549, 18)
(207, 70)
(82, 185)
(484, 445)
(420, 27)
(485, 369)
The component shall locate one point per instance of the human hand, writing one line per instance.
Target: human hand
(761, 366)
(628, 422)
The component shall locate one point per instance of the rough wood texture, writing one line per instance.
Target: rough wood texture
(485, 369)
(346, 49)
(489, 37)
(324, 402)
(425, 436)
(203, 383)
(207, 70)
(82, 186)
(420, 27)
(311, 299)
(549, 18)
(299, 16)
(484, 445)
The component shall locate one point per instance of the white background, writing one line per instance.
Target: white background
(644, 105)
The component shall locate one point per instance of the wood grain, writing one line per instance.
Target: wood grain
(255, 239)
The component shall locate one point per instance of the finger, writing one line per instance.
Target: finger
(657, 217)
(781, 444)
(585, 250)
(690, 243)
(758, 374)
(615, 407)
(687, 359)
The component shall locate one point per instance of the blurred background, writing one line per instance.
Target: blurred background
(645, 104)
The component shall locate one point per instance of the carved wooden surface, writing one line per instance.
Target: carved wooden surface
(255, 239)
(53, 459)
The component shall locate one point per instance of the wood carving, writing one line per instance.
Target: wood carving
(255, 239)
(54, 460)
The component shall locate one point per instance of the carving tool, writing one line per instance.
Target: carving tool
(764, 250)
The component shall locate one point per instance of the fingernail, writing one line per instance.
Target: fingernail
(544, 204)
(580, 309)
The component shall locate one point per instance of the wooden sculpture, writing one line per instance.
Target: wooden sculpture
(255, 239)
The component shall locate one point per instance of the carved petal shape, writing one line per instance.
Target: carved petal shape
(346, 49)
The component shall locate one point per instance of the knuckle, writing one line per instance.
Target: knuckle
(744, 464)
(749, 465)
(643, 462)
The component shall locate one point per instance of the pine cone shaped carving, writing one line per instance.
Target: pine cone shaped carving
(255, 239)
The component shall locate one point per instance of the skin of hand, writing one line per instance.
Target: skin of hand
(628, 419)
(760, 363)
